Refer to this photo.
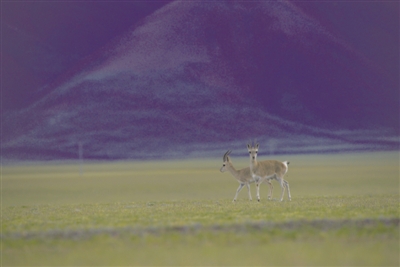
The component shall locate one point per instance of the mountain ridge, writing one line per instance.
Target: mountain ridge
(200, 84)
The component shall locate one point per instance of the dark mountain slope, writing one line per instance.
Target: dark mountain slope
(196, 78)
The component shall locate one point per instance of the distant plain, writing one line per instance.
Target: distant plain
(344, 211)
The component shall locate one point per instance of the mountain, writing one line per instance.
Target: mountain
(196, 79)
(42, 40)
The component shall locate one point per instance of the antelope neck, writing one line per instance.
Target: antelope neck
(232, 170)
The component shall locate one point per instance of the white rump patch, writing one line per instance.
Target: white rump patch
(286, 165)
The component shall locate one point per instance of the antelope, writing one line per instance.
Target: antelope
(243, 176)
(267, 170)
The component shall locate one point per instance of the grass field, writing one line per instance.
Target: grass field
(344, 211)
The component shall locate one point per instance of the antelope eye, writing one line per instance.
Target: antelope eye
(249, 152)
(256, 152)
(223, 165)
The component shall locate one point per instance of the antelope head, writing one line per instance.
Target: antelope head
(253, 150)
(225, 161)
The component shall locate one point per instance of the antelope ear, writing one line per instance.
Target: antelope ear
(257, 145)
(248, 146)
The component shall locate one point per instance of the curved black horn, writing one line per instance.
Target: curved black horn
(225, 155)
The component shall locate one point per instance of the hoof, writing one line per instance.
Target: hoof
(258, 200)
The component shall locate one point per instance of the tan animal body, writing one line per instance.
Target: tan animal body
(267, 170)
(243, 176)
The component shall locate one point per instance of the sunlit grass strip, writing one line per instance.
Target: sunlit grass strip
(205, 212)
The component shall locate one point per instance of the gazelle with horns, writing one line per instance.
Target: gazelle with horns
(243, 176)
(267, 170)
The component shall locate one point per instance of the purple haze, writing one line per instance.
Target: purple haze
(198, 78)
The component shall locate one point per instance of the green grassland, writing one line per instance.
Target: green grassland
(344, 211)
